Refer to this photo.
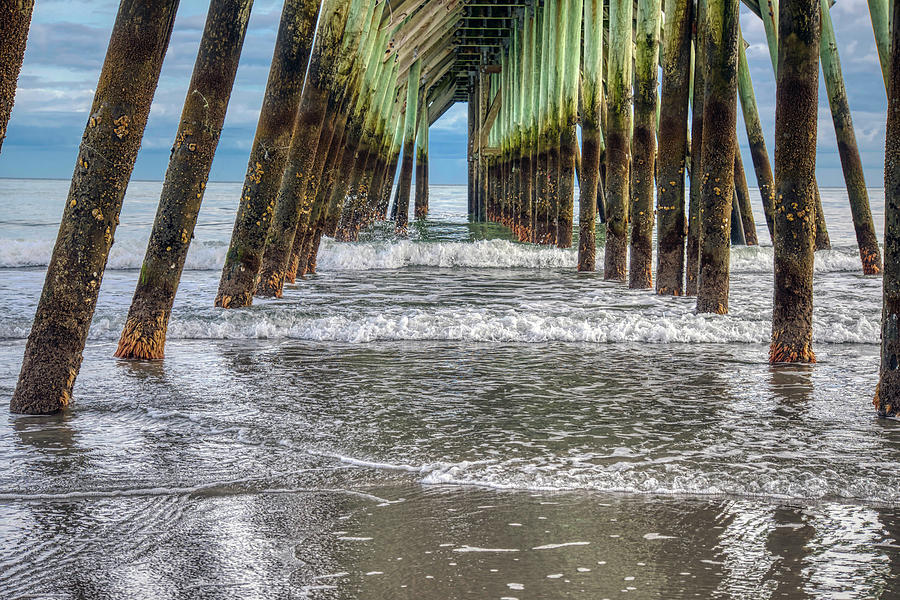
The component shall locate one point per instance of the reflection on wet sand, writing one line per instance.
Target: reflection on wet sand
(301, 470)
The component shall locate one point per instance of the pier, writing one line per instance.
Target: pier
(632, 105)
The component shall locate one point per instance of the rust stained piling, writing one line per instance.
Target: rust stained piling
(103, 167)
(717, 154)
(144, 334)
(887, 393)
(268, 154)
(796, 111)
(15, 21)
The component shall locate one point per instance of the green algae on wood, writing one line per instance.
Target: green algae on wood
(692, 260)
(409, 143)
(592, 90)
(673, 142)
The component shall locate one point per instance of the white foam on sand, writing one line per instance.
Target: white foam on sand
(640, 478)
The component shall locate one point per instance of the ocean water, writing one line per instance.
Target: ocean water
(448, 415)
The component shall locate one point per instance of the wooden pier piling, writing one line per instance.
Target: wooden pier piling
(144, 334)
(673, 141)
(268, 155)
(592, 92)
(796, 111)
(109, 147)
(887, 393)
(15, 21)
(618, 140)
(643, 161)
(717, 154)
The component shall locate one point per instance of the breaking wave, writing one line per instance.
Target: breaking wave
(472, 324)
(398, 254)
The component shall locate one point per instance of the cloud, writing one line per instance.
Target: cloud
(456, 119)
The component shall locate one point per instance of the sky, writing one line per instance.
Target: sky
(67, 44)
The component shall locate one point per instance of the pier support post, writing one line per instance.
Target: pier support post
(618, 142)
(887, 394)
(869, 252)
(542, 207)
(472, 132)
(291, 199)
(879, 12)
(103, 167)
(409, 147)
(717, 154)
(765, 181)
(737, 226)
(144, 334)
(796, 110)
(769, 16)
(568, 116)
(592, 91)
(15, 20)
(670, 231)
(421, 204)
(268, 154)
(692, 261)
(643, 162)
(743, 198)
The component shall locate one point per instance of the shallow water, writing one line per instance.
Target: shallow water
(450, 416)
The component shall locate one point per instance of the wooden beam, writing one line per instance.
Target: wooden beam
(489, 119)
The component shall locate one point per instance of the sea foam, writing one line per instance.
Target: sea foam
(556, 474)
(475, 324)
(483, 325)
